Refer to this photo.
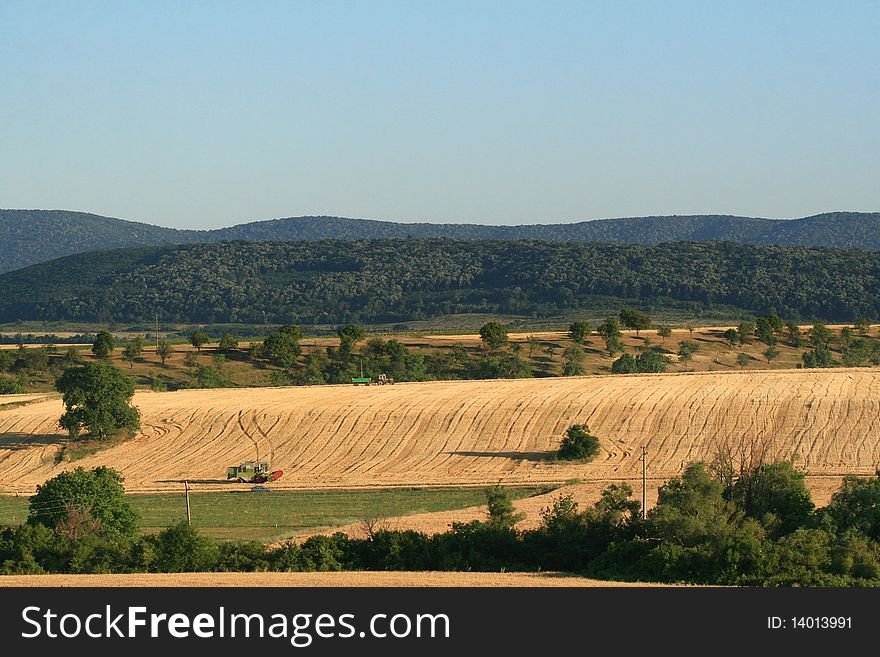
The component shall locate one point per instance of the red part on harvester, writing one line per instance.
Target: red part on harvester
(274, 476)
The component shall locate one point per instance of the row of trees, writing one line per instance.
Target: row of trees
(754, 525)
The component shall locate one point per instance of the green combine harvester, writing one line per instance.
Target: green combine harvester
(252, 472)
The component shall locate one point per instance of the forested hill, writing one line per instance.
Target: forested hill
(32, 236)
(396, 280)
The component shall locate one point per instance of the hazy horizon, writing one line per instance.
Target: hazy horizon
(206, 116)
(414, 221)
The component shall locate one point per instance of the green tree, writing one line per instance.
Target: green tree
(820, 335)
(744, 332)
(686, 349)
(190, 360)
(846, 336)
(493, 334)
(819, 357)
(793, 335)
(664, 332)
(580, 331)
(502, 514)
(103, 345)
(775, 494)
(862, 325)
(626, 364)
(578, 444)
(534, 344)
(771, 353)
(82, 495)
(282, 346)
(97, 399)
(634, 320)
(651, 361)
(199, 338)
(743, 359)
(180, 549)
(165, 350)
(350, 335)
(72, 356)
(732, 337)
(227, 343)
(856, 506)
(574, 361)
(767, 327)
(132, 351)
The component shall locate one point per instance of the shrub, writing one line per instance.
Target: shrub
(578, 444)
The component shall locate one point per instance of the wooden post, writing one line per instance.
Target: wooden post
(644, 483)
(189, 519)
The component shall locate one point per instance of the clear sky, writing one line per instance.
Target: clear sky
(205, 114)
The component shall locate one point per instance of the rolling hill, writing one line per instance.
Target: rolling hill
(392, 280)
(32, 236)
(467, 432)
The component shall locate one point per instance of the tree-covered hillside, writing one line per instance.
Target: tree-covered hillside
(393, 280)
(32, 236)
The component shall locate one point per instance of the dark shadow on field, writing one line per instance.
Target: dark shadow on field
(517, 456)
(16, 441)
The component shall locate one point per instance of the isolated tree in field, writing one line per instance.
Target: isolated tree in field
(771, 353)
(103, 345)
(574, 361)
(198, 339)
(732, 337)
(578, 444)
(820, 335)
(494, 335)
(745, 332)
(97, 400)
(862, 325)
(132, 351)
(282, 346)
(85, 501)
(664, 332)
(690, 329)
(610, 328)
(502, 514)
(846, 336)
(164, 350)
(227, 343)
(857, 353)
(579, 332)
(686, 349)
(190, 360)
(743, 359)
(534, 344)
(793, 335)
(634, 320)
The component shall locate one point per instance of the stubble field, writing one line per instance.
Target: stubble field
(467, 432)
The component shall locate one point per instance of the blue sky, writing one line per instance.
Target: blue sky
(204, 114)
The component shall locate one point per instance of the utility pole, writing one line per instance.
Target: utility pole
(644, 482)
(189, 519)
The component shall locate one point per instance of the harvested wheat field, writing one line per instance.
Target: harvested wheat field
(467, 432)
(343, 579)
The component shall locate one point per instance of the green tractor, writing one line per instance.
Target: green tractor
(252, 472)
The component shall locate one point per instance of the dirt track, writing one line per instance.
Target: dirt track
(466, 432)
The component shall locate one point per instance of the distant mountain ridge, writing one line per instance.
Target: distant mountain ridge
(33, 236)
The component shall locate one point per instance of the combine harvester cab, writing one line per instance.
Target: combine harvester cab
(252, 472)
